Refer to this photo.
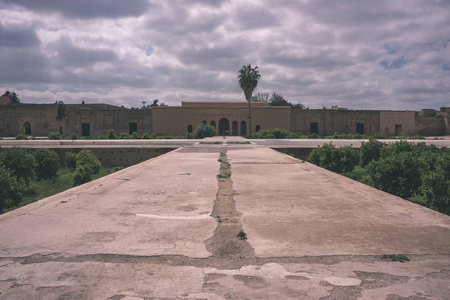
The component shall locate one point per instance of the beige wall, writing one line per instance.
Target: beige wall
(175, 120)
(389, 120)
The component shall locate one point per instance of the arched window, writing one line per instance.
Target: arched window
(258, 128)
(243, 128)
(234, 128)
(224, 126)
(213, 124)
(189, 129)
(204, 122)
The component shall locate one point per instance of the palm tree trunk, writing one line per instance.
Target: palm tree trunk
(249, 132)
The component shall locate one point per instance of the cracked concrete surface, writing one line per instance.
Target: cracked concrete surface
(166, 229)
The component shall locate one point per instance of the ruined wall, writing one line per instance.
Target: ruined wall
(101, 120)
(330, 121)
(45, 118)
(430, 123)
(40, 117)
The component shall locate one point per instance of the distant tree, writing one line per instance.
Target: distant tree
(261, 97)
(248, 80)
(162, 104)
(297, 106)
(278, 100)
(19, 162)
(47, 163)
(12, 96)
(11, 188)
(155, 103)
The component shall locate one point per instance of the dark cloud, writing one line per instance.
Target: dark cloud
(86, 9)
(23, 66)
(18, 36)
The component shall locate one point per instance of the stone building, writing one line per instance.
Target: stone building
(92, 120)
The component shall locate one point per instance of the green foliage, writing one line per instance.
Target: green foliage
(11, 188)
(21, 136)
(204, 130)
(71, 160)
(116, 169)
(411, 132)
(380, 136)
(124, 136)
(19, 162)
(436, 184)
(135, 136)
(73, 136)
(340, 160)
(358, 174)
(313, 136)
(47, 163)
(111, 135)
(276, 133)
(189, 135)
(13, 97)
(147, 136)
(88, 160)
(82, 175)
(370, 151)
(54, 136)
(395, 257)
(398, 174)
(248, 80)
(242, 235)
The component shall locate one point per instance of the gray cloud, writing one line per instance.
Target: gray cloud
(86, 9)
(357, 53)
(18, 36)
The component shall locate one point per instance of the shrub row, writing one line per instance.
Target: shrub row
(401, 168)
(278, 133)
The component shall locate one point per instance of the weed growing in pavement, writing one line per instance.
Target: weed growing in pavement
(242, 235)
(395, 257)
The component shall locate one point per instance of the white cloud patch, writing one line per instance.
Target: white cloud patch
(358, 54)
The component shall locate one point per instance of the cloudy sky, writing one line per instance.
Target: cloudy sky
(384, 54)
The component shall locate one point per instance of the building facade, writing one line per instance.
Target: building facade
(93, 120)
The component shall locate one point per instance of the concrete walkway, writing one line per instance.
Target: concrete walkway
(166, 229)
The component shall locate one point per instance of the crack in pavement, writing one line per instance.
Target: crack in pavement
(225, 242)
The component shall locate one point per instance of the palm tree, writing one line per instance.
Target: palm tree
(248, 80)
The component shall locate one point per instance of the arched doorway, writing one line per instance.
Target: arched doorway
(234, 128)
(27, 128)
(224, 124)
(189, 128)
(243, 128)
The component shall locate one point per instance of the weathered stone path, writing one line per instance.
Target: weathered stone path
(167, 229)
